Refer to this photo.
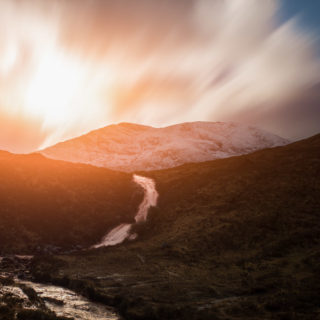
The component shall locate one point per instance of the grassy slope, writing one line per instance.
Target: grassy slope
(256, 201)
(236, 238)
(54, 202)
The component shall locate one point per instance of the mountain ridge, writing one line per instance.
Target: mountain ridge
(234, 238)
(132, 147)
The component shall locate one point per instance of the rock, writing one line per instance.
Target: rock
(54, 301)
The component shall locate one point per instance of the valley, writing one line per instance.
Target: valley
(235, 238)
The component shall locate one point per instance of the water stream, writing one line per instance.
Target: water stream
(123, 231)
(67, 303)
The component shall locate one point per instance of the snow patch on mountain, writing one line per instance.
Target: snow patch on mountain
(131, 147)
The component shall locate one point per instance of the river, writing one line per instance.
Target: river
(64, 302)
(123, 231)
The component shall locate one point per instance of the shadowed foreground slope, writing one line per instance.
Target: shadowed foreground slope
(55, 203)
(236, 238)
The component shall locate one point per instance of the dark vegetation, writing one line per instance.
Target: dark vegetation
(48, 204)
(236, 238)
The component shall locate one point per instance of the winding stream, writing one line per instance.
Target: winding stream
(67, 303)
(123, 231)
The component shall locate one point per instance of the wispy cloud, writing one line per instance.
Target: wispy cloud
(160, 62)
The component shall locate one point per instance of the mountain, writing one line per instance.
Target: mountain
(131, 147)
(46, 203)
(235, 238)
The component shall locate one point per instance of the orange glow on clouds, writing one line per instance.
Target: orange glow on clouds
(46, 85)
(68, 67)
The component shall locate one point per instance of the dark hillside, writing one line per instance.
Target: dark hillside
(237, 238)
(267, 200)
(47, 202)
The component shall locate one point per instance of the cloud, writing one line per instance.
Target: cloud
(205, 59)
(161, 62)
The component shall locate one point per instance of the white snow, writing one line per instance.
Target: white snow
(131, 147)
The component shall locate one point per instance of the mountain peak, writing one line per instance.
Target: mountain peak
(134, 147)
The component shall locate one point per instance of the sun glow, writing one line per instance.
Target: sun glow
(46, 83)
(66, 92)
(59, 92)
(54, 88)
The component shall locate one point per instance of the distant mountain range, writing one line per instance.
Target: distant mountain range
(132, 147)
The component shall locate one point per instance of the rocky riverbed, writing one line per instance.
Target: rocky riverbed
(23, 299)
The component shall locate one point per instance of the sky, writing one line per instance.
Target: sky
(307, 12)
(70, 66)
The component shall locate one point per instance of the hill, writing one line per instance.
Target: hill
(235, 238)
(46, 203)
(131, 147)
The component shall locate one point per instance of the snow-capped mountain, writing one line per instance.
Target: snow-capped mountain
(131, 147)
